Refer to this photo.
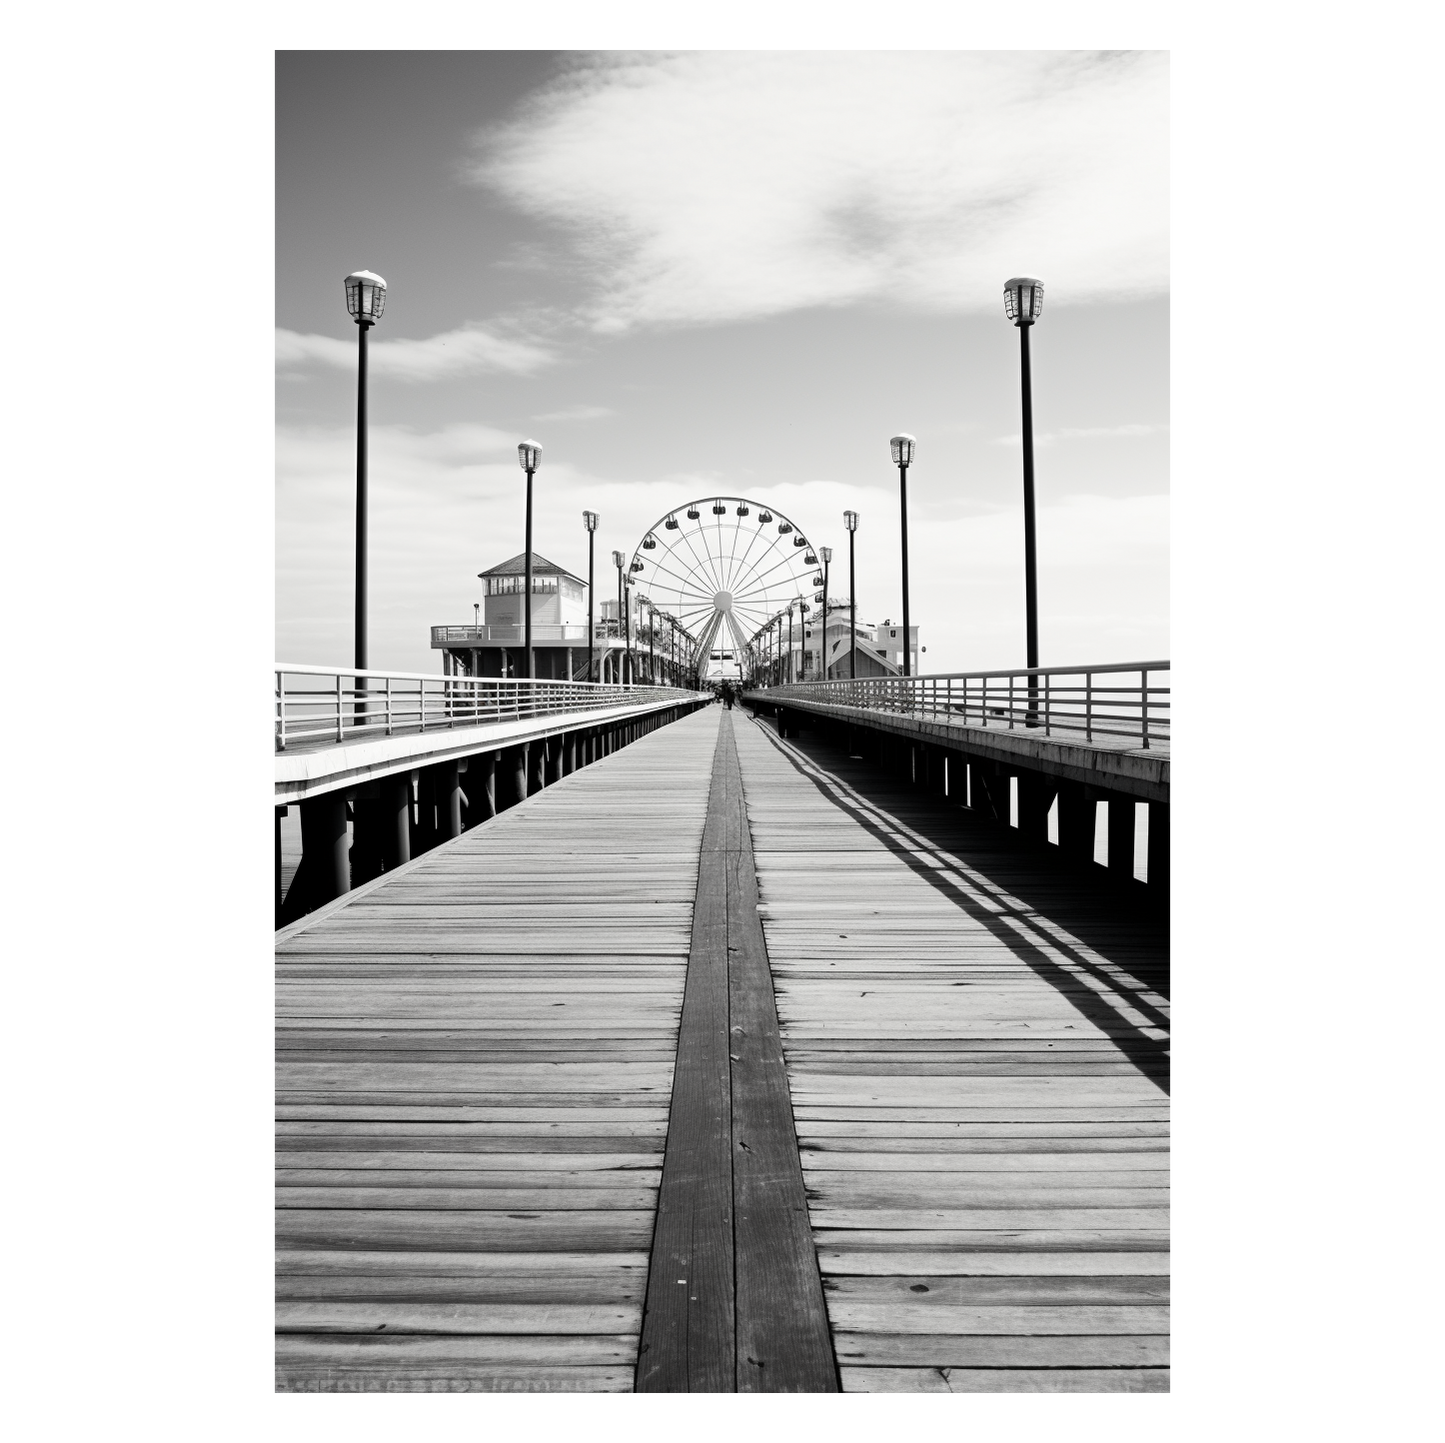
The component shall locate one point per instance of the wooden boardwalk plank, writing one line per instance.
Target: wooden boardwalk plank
(977, 1058)
(734, 1297)
(474, 1067)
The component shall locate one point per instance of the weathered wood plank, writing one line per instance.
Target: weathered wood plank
(1005, 1380)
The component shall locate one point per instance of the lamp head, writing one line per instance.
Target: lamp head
(826, 552)
(589, 520)
(1023, 300)
(850, 520)
(902, 446)
(619, 560)
(365, 297)
(529, 454)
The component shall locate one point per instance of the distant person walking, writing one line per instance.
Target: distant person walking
(727, 695)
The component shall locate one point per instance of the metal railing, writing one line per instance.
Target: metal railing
(509, 633)
(318, 702)
(1056, 700)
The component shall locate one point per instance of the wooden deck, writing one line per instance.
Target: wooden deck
(475, 1063)
(476, 1067)
(975, 1049)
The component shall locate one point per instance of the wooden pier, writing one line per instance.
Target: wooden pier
(849, 1088)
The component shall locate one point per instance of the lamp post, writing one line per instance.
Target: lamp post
(365, 301)
(1023, 301)
(529, 455)
(902, 447)
(589, 520)
(619, 561)
(789, 669)
(826, 552)
(850, 520)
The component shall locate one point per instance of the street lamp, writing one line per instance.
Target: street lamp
(826, 552)
(1023, 302)
(589, 520)
(365, 301)
(529, 456)
(619, 561)
(902, 446)
(789, 669)
(850, 520)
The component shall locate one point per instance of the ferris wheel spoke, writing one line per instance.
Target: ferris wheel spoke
(707, 565)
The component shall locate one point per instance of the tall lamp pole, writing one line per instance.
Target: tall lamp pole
(902, 447)
(529, 454)
(589, 520)
(1023, 301)
(850, 520)
(619, 561)
(365, 301)
(788, 670)
(826, 552)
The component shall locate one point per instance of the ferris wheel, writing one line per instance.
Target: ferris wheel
(724, 567)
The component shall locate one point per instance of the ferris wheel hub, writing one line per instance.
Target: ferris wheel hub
(722, 601)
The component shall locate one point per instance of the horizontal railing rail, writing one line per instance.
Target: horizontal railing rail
(509, 632)
(1070, 701)
(323, 703)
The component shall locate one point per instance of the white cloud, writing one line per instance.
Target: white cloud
(1082, 433)
(709, 186)
(576, 413)
(468, 349)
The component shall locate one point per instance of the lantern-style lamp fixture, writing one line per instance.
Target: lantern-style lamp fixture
(826, 552)
(589, 520)
(1023, 300)
(619, 560)
(850, 520)
(529, 454)
(902, 447)
(365, 297)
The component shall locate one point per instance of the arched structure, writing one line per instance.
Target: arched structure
(723, 566)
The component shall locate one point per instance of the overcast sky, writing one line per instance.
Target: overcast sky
(734, 273)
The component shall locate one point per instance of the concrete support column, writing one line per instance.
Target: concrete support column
(369, 833)
(1158, 844)
(990, 791)
(487, 766)
(325, 846)
(396, 801)
(280, 812)
(1036, 796)
(1077, 813)
(556, 758)
(426, 835)
(519, 772)
(1121, 836)
(449, 800)
(937, 781)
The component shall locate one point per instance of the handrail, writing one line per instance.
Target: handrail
(358, 704)
(1039, 698)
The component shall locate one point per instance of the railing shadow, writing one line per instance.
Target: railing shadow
(1131, 940)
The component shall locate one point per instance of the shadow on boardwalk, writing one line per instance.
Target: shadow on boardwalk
(1092, 940)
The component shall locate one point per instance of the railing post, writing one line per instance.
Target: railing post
(421, 703)
(1144, 711)
(388, 706)
(281, 711)
(1048, 694)
(1088, 706)
(338, 706)
(1011, 701)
